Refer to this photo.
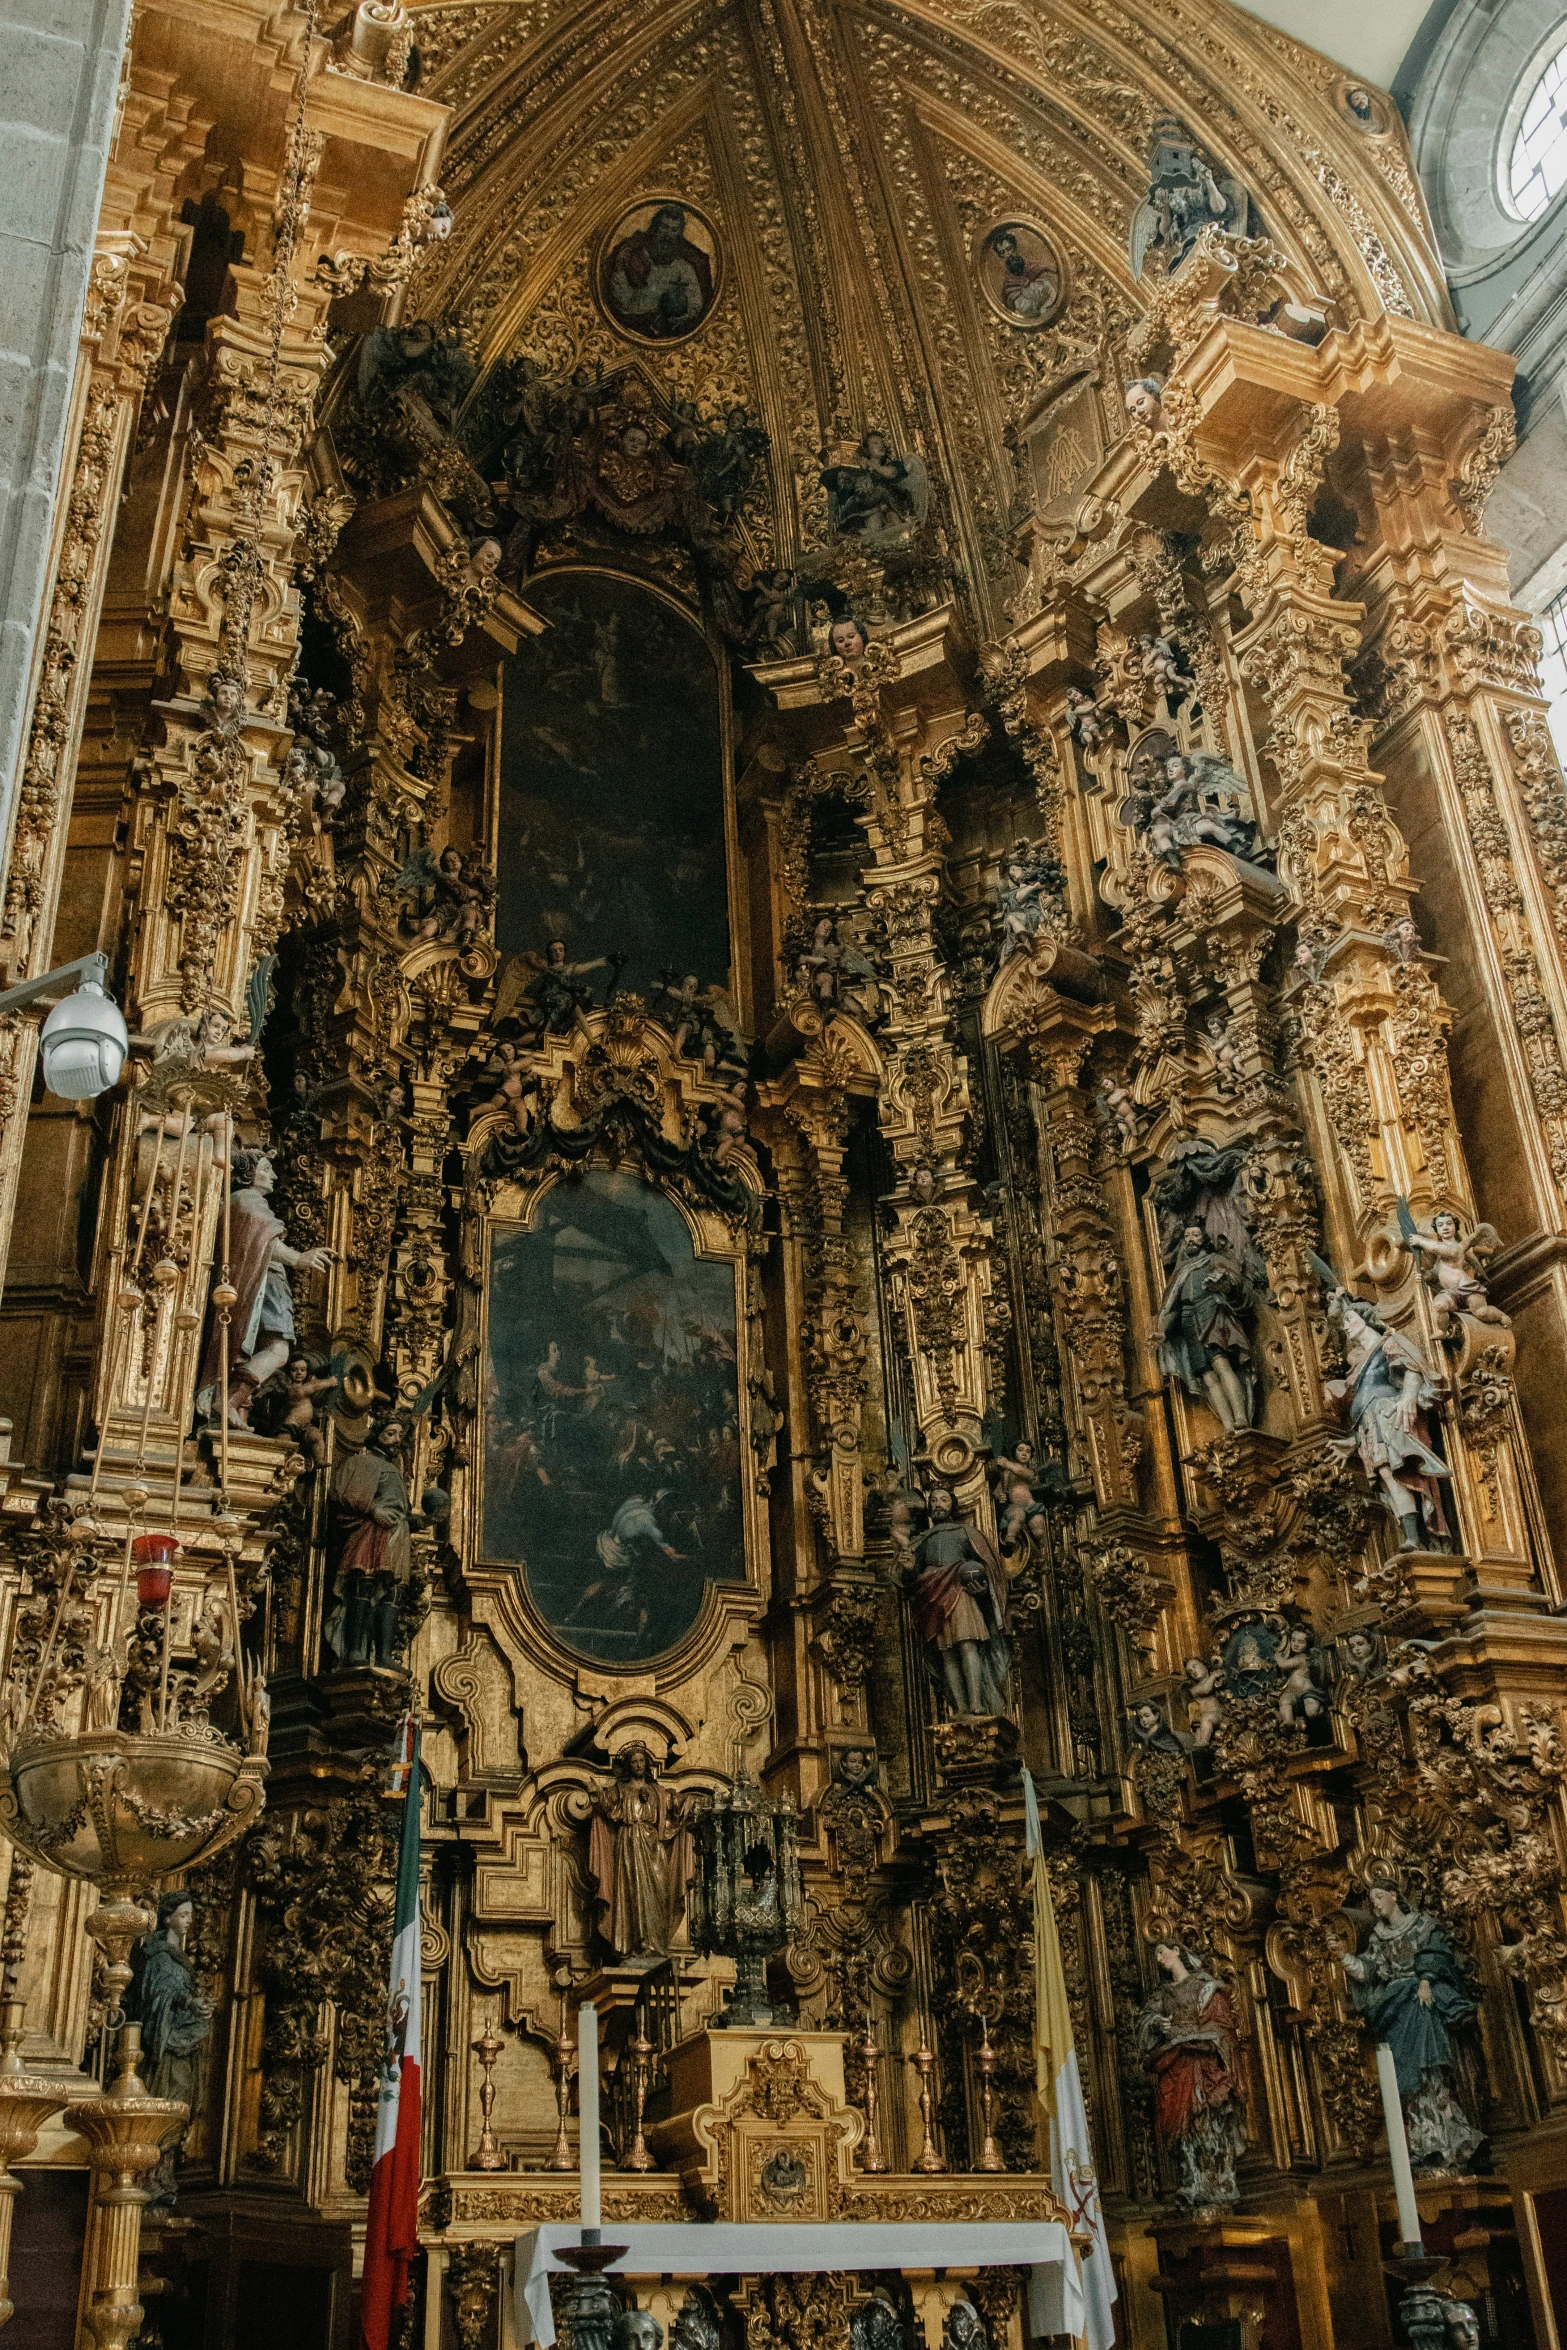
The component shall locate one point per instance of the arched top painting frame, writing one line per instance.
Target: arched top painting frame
(620, 1490)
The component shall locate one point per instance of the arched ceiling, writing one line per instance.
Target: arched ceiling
(849, 155)
(1370, 41)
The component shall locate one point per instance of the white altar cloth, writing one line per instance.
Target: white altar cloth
(696, 2248)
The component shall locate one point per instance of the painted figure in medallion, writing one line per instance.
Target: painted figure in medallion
(1020, 274)
(657, 278)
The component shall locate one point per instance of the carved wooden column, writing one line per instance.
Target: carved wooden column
(805, 1118)
(211, 835)
(910, 724)
(1373, 1017)
(1451, 682)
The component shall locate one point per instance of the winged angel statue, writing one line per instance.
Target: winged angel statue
(1186, 798)
(1453, 1265)
(1185, 196)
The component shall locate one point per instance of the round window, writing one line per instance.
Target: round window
(1536, 165)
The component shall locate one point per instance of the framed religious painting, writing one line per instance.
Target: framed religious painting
(658, 270)
(618, 1476)
(1021, 274)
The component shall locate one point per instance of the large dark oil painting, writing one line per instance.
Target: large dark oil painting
(612, 1436)
(612, 790)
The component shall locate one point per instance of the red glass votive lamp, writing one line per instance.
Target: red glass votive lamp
(155, 1555)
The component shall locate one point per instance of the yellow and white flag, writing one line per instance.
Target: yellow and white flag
(1060, 2088)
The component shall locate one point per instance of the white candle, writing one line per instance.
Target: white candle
(1398, 2149)
(588, 2114)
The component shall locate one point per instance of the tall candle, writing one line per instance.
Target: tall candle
(588, 2114)
(1398, 2149)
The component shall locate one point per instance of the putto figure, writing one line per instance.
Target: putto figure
(1144, 398)
(1029, 897)
(1453, 1262)
(1196, 799)
(1412, 1990)
(875, 494)
(1187, 2038)
(959, 1592)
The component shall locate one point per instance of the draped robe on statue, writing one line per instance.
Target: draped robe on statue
(639, 1854)
(1189, 2044)
(175, 2022)
(370, 1501)
(265, 1302)
(946, 1609)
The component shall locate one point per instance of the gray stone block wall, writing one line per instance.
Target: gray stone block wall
(60, 66)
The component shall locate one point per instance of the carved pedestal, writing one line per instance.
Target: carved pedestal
(978, 1749)
(1230, 2273)
(761, 2127)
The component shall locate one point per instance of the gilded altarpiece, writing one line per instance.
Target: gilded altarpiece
(820, 812)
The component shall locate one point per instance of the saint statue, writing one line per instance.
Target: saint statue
(1385, 1395)
(1411, 1988)
(1187, 2039)
(639, 1857)
(261, 1325)
(371, 1512)
(1202, 1339)
(176, 2024)
(959, 1592)
(1185, 195)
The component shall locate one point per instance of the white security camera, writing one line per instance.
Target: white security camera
(84, 1044)
(85, 1039)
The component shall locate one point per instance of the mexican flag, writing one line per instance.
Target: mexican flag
(1060, 2090)
(392, 2230)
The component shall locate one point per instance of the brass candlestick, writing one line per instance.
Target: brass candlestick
(487, 2154)
(869, 2053)
(640, 2051)
(927, 2159)
(565, 2061)
(985, 2064)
